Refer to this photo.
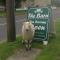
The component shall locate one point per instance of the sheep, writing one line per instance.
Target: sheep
(27, 34)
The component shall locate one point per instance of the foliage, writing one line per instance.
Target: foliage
(2, 2)
(17, 2)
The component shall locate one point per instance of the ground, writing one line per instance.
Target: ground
(22, 54)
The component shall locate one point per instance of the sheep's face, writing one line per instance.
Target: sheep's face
(27, 26)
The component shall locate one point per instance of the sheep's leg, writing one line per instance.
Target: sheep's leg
(27, 44)
(30, 44)
(23, 42)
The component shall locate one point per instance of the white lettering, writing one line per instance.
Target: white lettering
(31, 15)
(41, 16)
(38, 11)
(40, 22)
(32, 21)
(39, 27)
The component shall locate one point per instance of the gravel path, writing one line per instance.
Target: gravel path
(25, 55)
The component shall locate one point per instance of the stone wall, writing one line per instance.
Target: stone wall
(42, 2)
(27, 3)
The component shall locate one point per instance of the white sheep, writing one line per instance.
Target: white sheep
(27, 34)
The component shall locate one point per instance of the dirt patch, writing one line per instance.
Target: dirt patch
(25, 55)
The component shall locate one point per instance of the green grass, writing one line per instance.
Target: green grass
(8, 48)
(52, 51)
(20, 12)
(2, 13)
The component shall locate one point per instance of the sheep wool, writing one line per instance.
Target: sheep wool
(28, 31)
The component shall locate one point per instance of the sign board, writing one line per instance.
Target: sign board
(40, 18)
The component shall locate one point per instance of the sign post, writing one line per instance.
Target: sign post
(40, 19)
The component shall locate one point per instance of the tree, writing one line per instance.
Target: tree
(17, 2)
(10, 8)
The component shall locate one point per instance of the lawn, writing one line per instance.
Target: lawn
(8, 48)
(52, 51)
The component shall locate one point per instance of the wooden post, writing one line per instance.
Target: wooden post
(11, 33)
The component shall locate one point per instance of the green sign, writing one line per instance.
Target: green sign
(40, 18)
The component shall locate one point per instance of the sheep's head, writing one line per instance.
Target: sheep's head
(27, 26)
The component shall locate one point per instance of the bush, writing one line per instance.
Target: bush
(17, 2)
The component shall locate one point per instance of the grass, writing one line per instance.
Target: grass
(52, 51)
(8, 48)
(22, 12)
(2, 13)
